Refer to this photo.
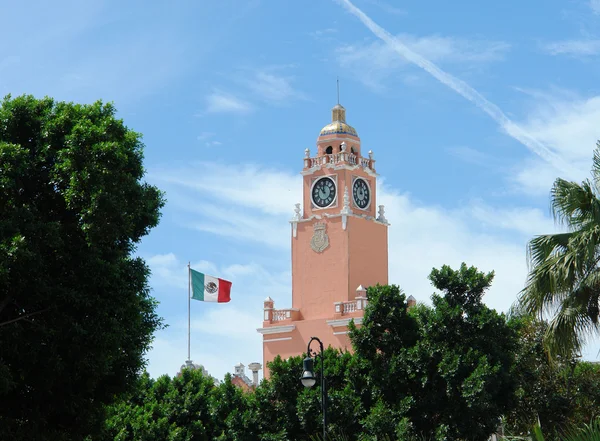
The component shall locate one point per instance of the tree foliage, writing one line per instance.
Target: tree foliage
(565, 278)
(442, 371)
(188, 406)
(75, 312)
(558, 393)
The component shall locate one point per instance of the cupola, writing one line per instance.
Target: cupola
(338, 125)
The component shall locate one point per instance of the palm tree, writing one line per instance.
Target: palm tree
(564, 277)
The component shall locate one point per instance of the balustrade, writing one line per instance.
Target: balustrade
(350, 307)
(278, 315)
(337, 158)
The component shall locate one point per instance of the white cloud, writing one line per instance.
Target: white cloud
(523, 220)
(230, 323)
(268, 190)
(595, 5)
(273, 88)
(574, 47)
(569, 126)
(221, 102)
(423, 237)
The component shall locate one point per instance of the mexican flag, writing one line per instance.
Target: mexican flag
(209, 289)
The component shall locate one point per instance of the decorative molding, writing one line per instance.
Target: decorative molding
(338, 323)
(276, 329)
(337, 138)
(346, 209)
(277, 339)
(312, 216)
(381, 218)
(339, 333)
(310, 171)
(358, 216)
(297, 217)
(320, 241)
(336, 167)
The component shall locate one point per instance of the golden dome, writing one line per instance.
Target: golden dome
(338, 127)
(338, 123)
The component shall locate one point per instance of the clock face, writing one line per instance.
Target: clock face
(323, 192)
(361, 193)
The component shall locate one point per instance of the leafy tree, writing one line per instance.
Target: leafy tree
(76, 316)
(285, 410)
(541, 393)
(175, 409)
(565, 278)
(441, 372)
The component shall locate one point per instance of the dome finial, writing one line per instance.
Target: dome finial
(338, 113)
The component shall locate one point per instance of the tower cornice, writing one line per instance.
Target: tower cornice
(311, 170)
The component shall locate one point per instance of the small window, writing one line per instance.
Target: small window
(352, 150)
(329, 150)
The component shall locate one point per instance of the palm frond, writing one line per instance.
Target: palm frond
(596, 168)
(574, 205)
(542, 247)
(572, 324)
(564, 273)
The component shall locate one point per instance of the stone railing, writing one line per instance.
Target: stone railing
(280, 315)
(338, 158)
(350, 307)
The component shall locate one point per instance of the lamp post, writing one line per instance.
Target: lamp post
(309, 379)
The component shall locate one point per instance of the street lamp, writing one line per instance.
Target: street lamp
(309, 379)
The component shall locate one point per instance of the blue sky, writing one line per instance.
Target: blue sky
(471, 110)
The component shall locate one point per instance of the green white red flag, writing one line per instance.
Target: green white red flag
(209, 289)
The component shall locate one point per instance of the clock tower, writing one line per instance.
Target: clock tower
(339, 246)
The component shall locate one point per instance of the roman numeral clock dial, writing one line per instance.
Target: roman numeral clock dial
(361, 193)
(323, 192)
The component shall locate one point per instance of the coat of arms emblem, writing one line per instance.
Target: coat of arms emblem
(320, 240)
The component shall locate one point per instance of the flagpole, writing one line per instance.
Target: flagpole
(189, 297)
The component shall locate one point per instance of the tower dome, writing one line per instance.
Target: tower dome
(338, 125)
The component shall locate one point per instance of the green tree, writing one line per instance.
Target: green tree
(441, 371)
(564, 278)
(76, 316)
(175, 409)
(542, 391)
(286, 410)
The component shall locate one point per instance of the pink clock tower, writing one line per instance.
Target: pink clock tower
(339, 246)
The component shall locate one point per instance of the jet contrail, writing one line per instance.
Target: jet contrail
(462, 88)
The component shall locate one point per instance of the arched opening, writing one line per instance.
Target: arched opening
(352, 150)
(329, 150)
(340, 148)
